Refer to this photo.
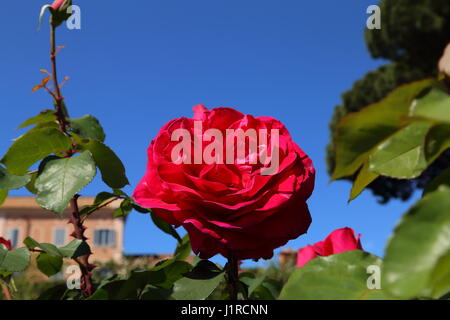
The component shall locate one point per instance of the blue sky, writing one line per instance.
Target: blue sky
(139, 65)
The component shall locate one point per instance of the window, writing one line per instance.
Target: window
(104, 238)
(59, 236)
(13, 236)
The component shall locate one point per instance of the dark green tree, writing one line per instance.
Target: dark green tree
(413, 36)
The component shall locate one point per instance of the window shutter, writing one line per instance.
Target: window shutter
(112, 238)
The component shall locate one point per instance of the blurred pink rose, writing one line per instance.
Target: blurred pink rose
(5, 242)
(444, 63)
(338, 241)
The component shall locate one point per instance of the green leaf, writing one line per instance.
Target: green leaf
(437, 141)
(31, 184)
(256, 283)
(88, 127)
(111, 168)
(440, 277)
(47, 247)
(99, 200)
(204, 270)
(34, 146)
(139, 208)
(48, 264)
(419, 241)
(102, 197)
(15, 260)
(172, 273)
(124, 209)
(402, 155)
(151, 293)
(43, 117)
(263, 293)
(442, 180)
(190, 289)
(3, 196)
(359, 132)
(183, 249)
(9, 181)
(341, 276)
(109, 291)
(54, 293)
(165, 227)
(76, 248)
(162, 276)
(61, 179)
(435, 105)
(364, 178)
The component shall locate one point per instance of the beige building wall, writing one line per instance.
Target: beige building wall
(23, 214)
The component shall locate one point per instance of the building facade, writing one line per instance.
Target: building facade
(22, 217)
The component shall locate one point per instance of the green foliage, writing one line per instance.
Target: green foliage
(15, 260)
(183, 249)
(190, 289)
(141, 283)
(433, 105)
(3, 195)
(165, 227)
(88, 127)
(61, 178)
(360, 132)
(441, 181)
(402, 136)
(405, 147)
(413, 35)
(204, 270)
(49, 264)
(391, 138)
(72, 250)
(9, 181)
(111, 168)
(363, 179)
(34, 146)
(124, 209)
(337, 277)
(415, 251)
(413, 31)
(437, 141)
(43, 117)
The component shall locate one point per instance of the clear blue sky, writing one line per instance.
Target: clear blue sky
(136, 66)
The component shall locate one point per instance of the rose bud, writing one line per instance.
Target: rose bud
(57, 4)
(237, 205)
(338, 241)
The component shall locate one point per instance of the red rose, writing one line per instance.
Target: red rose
(6, 243)
(231, 208)
(57, 4)
(338, 241)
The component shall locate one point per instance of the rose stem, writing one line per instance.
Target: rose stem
(232, 276)
(83, 261)
(6, 292)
